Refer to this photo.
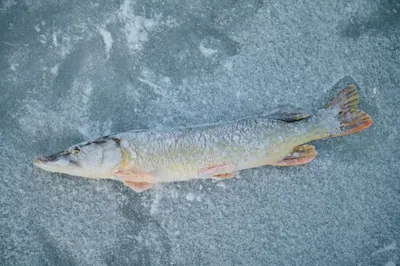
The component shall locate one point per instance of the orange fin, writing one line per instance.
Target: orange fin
(351, 119)
(220, 169)
(301, 154)
(138, 186)
(225, 176)
(133, 176)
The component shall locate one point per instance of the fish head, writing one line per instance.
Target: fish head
(95, 159)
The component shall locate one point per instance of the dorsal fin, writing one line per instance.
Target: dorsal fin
(286, 114)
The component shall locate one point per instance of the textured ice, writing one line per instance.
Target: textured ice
(107, 39)
(74, 70)
(207, 51)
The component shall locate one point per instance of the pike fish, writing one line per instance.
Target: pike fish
(142, 158)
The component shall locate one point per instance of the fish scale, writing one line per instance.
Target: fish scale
(244, 143)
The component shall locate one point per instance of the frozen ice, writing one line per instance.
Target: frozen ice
(107, 39)
(136, 28)
(207, 51)
(190, 196)
(54, 70)
(391, 246)
(77, 70)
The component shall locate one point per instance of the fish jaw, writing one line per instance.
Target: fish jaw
(56, 164)
(64, 167)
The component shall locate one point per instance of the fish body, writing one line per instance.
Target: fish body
(181, 154)
(145, 157)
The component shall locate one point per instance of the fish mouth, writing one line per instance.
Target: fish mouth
(40, 160)
(58, 162)
(48, 159)
(45, 164)
(37, 161)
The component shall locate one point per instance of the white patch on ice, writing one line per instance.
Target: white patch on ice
(156, 202)
(207, 51)
(106, 130)
(374, 90)
(43, 39)
(136, 27)
(84, 91)
(125, 9)
(149, 78)
(151, 84)
(87, 91)
(171, 22)
(67, 47)
(55, 39)
(228, 65)
(190, 196)
(64, 40)
(13, 67)
(221, 185)
(385, 248)
(149, 23)
(8, 3)
(166, 80)
(390, 263)
(54, 70)
(107, 39)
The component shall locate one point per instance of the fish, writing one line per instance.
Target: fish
(142, 158)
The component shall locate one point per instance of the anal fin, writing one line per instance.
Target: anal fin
(301, 154)
(225, 176)
(219, 169)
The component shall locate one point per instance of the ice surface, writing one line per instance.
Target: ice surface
(385, 248)
(74, 70)
(107, 39)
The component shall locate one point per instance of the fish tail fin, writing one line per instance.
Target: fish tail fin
(345, 109)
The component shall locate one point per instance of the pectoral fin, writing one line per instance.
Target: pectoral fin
(301, 154)
(133, 176)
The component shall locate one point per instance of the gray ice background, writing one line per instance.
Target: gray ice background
(76, 70)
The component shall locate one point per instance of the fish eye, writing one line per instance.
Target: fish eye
(75, 151)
